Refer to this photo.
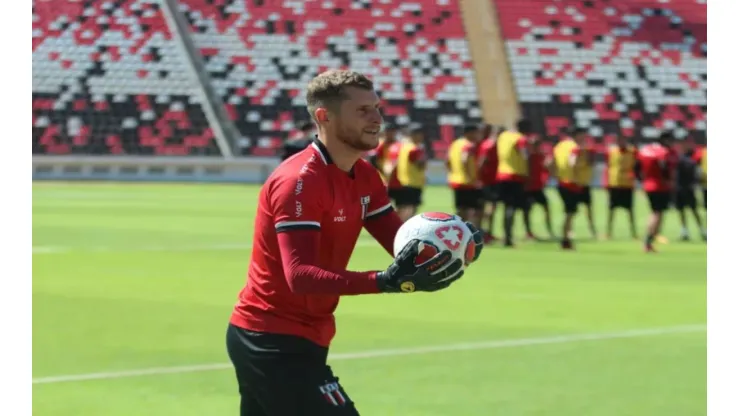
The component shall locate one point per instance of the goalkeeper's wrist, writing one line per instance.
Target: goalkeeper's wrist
(382, 280)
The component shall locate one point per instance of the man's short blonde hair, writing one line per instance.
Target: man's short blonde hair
(327, 90)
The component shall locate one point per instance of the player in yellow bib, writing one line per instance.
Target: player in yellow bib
(569, 163)
(619, 180)
(585, 176)
(462, 174)
(410, 172)
(380, 157)
(512, 173)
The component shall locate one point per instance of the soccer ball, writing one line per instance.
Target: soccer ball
(437, 231)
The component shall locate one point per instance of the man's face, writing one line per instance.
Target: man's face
(486, 131)
(474, 136)
(580, 138)
(667, 141)
(390, 134)
(622, 141)
(357, 123)
(417, 137)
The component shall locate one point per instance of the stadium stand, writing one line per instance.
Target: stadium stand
(109, 79)
(261, 54)
(638, 66)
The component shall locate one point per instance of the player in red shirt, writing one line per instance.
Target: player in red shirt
(378, 156)
(488, 165)
(310, 213)
(657, 168)
(539, 165)
(589, 150)
(390, 161)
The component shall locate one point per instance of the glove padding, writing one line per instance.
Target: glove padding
(477, 239)
(404, 275)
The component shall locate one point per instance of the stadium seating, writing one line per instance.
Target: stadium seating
(638, 66)
(261, 54)
(109, 79)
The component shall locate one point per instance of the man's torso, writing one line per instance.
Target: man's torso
(266, 303)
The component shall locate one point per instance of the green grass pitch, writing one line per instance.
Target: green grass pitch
(129, 277)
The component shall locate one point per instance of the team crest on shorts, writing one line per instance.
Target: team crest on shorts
(333, 394)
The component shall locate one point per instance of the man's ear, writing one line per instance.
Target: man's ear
(321, 114)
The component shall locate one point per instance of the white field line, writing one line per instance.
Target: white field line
(470, 346)
(161, 248)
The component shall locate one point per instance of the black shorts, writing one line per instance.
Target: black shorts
(512, 194)
(685, 198)
(393, 193)
(570, 198)
(491, 193)
(405, 196)
(621, 198)
(283, 375)
(659, 201)
(585, 196)
(468, 198)
(536, 197)
(705, 198)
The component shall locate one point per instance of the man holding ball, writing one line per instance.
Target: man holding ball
(310, 214)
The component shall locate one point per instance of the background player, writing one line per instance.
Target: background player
(657, 164)
(299, 142)
(487, 167)
(685, 194)
(700, 156)
(379, 156)
(619, 180)
(585, 178)
(410, 171)
(569, 160)
(309, 216)
(462, 174)
(512, 173)
(539, 166)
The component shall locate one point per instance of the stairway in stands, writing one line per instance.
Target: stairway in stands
(635, 66)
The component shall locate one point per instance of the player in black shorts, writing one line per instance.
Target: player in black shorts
(585, 196)
(410, 172)
(621, 198)
(468, 198)
(487, 167)
(534, 190)
(685, 194)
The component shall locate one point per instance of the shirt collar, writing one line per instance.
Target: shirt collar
(323, 152)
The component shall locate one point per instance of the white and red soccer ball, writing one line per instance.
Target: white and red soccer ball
(437, 231)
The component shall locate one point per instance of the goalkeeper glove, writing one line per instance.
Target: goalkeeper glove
(477, 239)
(406, 274)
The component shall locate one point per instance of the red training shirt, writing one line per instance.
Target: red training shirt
(572, 186)
(538, 174)
(392, 156)
(658, 166)
(309, 216)
(487, 161)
